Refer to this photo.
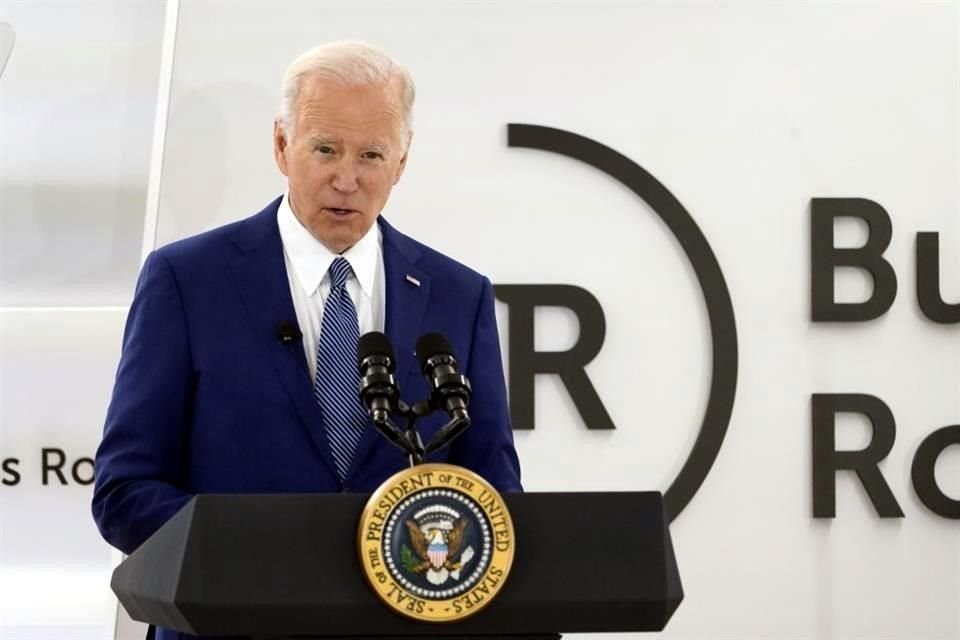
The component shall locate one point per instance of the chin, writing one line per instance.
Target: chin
(339, 241)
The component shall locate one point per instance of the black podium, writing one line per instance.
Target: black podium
(279, 566)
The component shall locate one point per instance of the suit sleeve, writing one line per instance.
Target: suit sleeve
(487, 446)
(139, 465)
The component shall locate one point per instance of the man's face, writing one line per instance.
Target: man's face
(347, 152)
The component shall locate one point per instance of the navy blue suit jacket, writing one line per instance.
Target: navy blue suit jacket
(208, 400)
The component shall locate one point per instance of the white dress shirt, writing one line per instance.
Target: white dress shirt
(308, 262)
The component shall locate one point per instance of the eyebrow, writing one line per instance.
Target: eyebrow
(379, 147)
(325, 138)
(322, 138)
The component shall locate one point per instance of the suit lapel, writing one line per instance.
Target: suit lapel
(405, 306)
(261, 276)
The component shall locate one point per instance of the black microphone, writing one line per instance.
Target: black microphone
(287, 332)
(450, 390)
(378, 388)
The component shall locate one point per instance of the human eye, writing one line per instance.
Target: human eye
(324, 149)
(372, 155)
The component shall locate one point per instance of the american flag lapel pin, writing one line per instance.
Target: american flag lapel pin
(413, 280)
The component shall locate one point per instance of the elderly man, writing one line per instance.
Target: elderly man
(216, 391)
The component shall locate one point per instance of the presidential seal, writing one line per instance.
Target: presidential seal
(436, 542)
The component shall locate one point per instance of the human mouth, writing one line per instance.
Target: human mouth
(340, 213)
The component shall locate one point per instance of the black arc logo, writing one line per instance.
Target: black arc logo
(723, 329)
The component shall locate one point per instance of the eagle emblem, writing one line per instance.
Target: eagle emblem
(437, 536)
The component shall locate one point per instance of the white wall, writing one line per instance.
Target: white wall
(77, 103)
(76, 114)
(745, 112)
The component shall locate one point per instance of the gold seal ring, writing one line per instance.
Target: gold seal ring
(436, 542)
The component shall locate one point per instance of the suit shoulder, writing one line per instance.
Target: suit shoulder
(441, 265)
(202, 244)
(223, 240)
(455, 267)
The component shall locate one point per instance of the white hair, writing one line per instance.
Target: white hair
(351, 63)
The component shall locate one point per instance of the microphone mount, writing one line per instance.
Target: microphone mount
(379, 393)
(408, 438)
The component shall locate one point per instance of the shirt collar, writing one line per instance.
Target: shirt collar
(311, 260)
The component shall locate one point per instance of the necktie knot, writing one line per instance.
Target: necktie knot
(339, 272)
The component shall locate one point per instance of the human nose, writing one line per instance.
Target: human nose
(345, 177)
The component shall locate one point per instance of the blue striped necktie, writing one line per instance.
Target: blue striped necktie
(337, 376)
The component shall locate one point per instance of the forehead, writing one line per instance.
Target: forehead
(330, 107)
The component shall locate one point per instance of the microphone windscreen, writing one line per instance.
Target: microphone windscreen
(430, 345)
(374, 343)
